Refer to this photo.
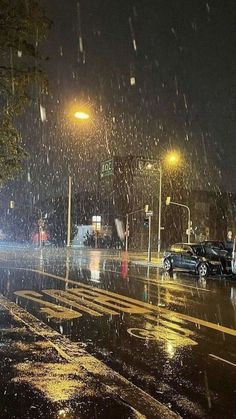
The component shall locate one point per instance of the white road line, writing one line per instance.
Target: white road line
(218, 358)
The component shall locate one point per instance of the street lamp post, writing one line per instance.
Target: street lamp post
(69, 213)
(159, 212)
(81, 115)
(173, 159)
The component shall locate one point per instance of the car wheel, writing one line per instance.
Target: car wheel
(167, 265)
(202, 269)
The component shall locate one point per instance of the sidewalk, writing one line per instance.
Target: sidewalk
(45, 375)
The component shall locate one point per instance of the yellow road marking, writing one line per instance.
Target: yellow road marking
(66, 299)
(72, 300)
(170, 324)
(150, 307)
(52, 310)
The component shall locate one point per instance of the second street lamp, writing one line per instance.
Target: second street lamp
(172, 159)
(82, 116)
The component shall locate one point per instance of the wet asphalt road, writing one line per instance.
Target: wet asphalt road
(173, 337)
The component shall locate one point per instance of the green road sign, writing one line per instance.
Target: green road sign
(107, 168)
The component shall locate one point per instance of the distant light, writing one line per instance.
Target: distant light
(132, 81)
(149, 166)
(81, 115)
(96, 218)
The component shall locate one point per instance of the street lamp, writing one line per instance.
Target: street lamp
(172, 158)
(81, 115)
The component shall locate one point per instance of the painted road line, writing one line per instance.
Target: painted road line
(134, 302)
(150, 307)
(53, 310)
(170, 324)
(143, 404)
(72, 297)
(218, 358)
(71, 300)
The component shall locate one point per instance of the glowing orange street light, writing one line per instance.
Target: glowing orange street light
(173, 158)
(81, 115)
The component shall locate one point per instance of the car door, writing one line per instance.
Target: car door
(189, 259)
(176, 255)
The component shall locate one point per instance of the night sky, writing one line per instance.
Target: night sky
(155, 74)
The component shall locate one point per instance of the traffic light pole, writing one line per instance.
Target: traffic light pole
(127, 227)
(189, 216)
(149, 238)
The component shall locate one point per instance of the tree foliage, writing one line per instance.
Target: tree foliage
(23, 25)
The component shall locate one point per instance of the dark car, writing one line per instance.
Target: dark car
(192, 257)
(222, 250)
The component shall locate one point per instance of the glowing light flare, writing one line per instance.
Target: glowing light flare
(173, 158)
(81, 115)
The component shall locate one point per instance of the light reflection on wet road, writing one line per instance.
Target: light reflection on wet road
(167, 335)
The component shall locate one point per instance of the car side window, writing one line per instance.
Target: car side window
(187, 249)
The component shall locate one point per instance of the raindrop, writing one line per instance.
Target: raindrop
(132, 34)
